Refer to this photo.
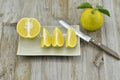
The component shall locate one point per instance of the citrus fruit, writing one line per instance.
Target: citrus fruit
(91, 19)
(45, 39)
(28, 27)
(71, 38)
(57, 38)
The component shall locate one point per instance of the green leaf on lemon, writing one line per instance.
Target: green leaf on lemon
(104, 11)
(84, 5)
(99, 7)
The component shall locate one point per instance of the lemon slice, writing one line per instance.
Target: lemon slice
(71, 38)
(45, 39)
(57, 38)
(28, 27)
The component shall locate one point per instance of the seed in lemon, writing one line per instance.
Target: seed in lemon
(28, 27)
(57, 38)
(91, 19)
(45, 39)
(71, 38)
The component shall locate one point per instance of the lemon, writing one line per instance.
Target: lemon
(45, 39)
(57, 38)
(28, 27)
(91, 19)
(71, 38)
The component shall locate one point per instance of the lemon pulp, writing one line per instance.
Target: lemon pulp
(45, 39)
(57, 38)
(28, 27)
(71, 38)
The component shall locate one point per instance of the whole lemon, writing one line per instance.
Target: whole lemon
(91, 19)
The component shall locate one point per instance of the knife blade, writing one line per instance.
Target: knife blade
(90, 40)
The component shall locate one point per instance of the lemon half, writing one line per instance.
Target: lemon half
(28, 27)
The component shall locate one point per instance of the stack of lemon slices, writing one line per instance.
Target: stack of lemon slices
(30, 28)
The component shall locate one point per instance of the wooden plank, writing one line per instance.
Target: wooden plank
(40, 65)
(51, 67)
(111, 38)
(2, 70)
(24, 65)
(84, 66)
(8, 51)
(22, 68)
(13, 67)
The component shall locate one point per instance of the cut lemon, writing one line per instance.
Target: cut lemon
(71, 38)
(28, 27)
(45, 39)
(57, 38)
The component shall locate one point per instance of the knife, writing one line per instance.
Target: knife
(90, 40)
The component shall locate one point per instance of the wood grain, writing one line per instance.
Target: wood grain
(92, 65)
(111, 38)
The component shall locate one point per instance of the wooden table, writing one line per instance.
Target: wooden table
(91, 65)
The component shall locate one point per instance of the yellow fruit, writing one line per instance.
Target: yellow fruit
(71, 38)
(57, 38)
(45, 39)
(91, 19)
(28, 27)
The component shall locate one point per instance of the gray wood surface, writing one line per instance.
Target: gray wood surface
(91, 65)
